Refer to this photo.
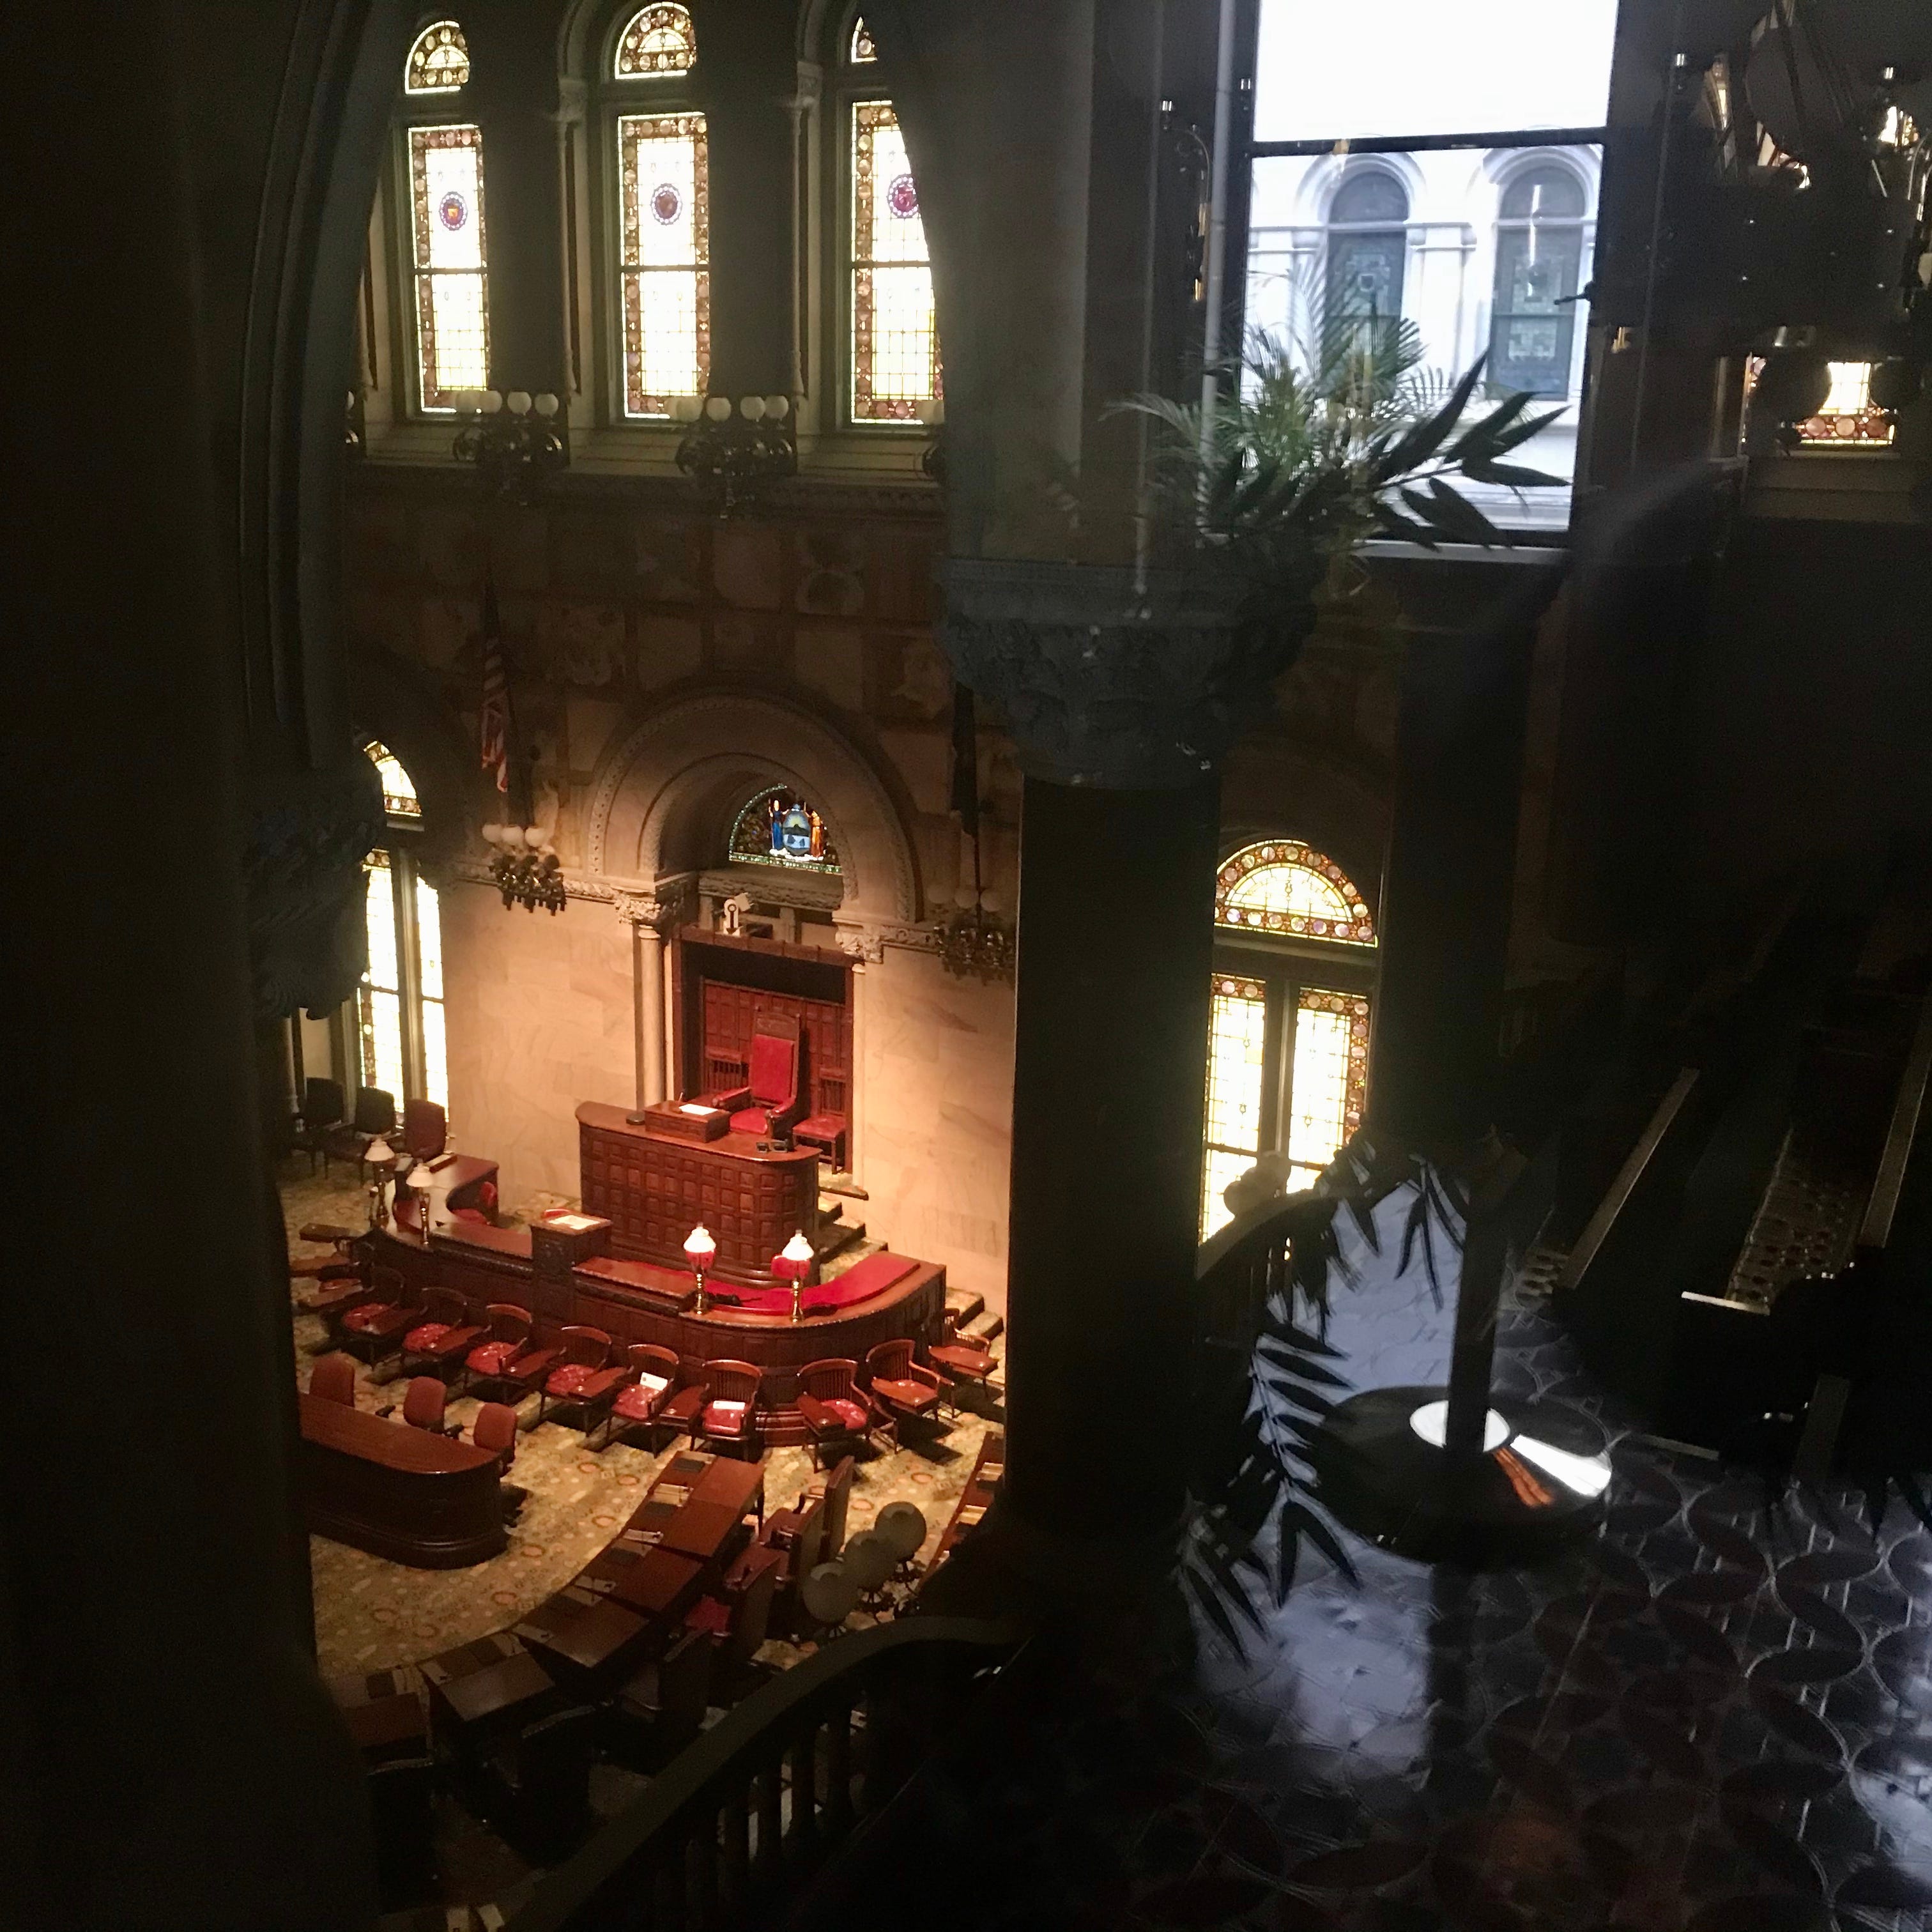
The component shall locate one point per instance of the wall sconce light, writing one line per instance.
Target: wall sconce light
(736, 453)
(975, 942)
(513, 440)
(524, 868)
(701, 1250)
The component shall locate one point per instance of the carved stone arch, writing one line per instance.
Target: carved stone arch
(399, 704)
(676, 776)
(822, 26)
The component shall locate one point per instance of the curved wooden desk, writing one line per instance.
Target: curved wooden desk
(398, 1492)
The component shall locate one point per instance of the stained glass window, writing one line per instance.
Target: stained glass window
(659, 41)
(452, 303)
(779, 828)
(381, 997)
(1236, 1070)
(1282, 886)
(429, 990)
(399, 789)
(1539, 270)
(438, 62)
(1848, 418)
(895, 332)
(1328, 1079)
(662, 170)
(862, 49)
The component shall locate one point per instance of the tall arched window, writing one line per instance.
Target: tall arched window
(664, 215)
(893, 367)
(1367, 258)
(402, 1043)
(447, 253)
(1539, 270)
(1288, 1037)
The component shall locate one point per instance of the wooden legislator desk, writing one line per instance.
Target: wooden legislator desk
(398, 1492)
(654, 1188)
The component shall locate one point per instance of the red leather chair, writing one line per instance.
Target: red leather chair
(494, 1431)
(773, 1089)
(333, 1378)
(584, 1378)
(904, 1387)
(729, 1417)
(441, 1343)
(425, 1129)
(640, 1403)
(509, 1359)
(837, 1412)
(375, 1328)
(422, 1405)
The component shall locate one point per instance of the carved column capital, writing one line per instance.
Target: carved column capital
(655, 913)
(861, 944)
(1111, 681)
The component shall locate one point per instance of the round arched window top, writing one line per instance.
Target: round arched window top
(438, 62)
(861, 50)
(659, 40)
(399, 789)
(779, 827)
(1543, 194)
(1282, 887)
(1369, 195)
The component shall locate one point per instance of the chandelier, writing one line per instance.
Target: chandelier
(974, 941)
(735, 453)
(524, 868)
(513, 440)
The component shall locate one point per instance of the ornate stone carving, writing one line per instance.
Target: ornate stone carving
(670, 906)
(303, 868)
(1108, 682)
(863, 945)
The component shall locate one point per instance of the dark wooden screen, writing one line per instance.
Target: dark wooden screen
(729, 1016)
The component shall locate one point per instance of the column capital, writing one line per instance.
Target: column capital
(655, 913)
(1115, 679)
(863, 945)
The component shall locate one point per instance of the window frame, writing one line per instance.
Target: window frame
(1583, 226)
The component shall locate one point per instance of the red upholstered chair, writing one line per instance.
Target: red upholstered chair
(333, 1378)
(422, 1405)
(837, 1412)
(729, 1418)
(902, 1386)
(774, 1088)
(583, 1379)
(509, 1359)
(653, 1373)
(737, 1621)
(443, 1342)
(494, 1431)
(425, 1129)
(826, 1132)
(483, 1214)
(375, 1328)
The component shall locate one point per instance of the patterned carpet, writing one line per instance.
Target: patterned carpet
(372, 1615)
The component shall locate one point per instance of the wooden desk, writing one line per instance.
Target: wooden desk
(396, 1492)
(660, 1583)
(503, 1693)
(586, 1638)
(654, 1188)
(379, 1728)
(701, 1529)
(741, 1485)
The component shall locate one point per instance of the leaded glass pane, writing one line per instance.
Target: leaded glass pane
(1848, 417)
(452, 306)
(1281, 886)
(399, 789)
(1539, 270)
(380, 1002)
(778, 827)
(438, 62)
(894, 330)
(1328, 1079)
(429, 939)
(659, 40)
(1236, 1057)
(663, 170)
(863, 48)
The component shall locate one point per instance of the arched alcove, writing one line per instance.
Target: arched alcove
(666, 793)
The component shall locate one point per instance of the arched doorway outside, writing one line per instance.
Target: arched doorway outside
(1288, 1036)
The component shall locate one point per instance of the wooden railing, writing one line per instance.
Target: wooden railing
(746, 1815)
(1236, 1270)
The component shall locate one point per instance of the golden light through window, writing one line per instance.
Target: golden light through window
(438, 61)
(1237, 1061)
(659, 40)
(1279, 885)
(1329, 1079)
(380, 999)
(862, 49)
(452, 289)
(664, 188)
(1849, 417)
(399, 789)
(895, 332)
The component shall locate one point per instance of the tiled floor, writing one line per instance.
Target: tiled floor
(372, 1614)
(1706, 1718)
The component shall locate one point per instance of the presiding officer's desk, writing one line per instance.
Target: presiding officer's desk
(396, 1491)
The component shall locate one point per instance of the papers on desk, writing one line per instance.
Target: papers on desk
(570, 1224)
(701, 1113)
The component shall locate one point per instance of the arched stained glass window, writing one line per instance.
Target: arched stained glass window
(1282, 886)
(399, 789)
(779, 827)
(449, 262)
(862, 49)
(1368, 253)
(1539, 270)
(1288, 1050)
(663, 179)
(894, 327)
(438, 62)
(659, 40)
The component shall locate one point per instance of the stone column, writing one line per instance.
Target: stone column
(863, 948)
(647, 919)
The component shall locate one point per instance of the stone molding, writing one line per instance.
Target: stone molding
(1113, 680)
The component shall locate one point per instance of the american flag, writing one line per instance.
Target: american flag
(495, 713)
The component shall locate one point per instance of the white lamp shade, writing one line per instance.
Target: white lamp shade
(752, 408)
(421, 1176)
(492, 402)
(537, 838)
(517, 401)
(546, 404)
(684, 409)
(380, 1154)
(830, 1595)
(869, 1559)
(699, 1247)
(718, 407)
(902, 1527)
(798, 1249)
(990, 900)
(966, 899)
(778, 407)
